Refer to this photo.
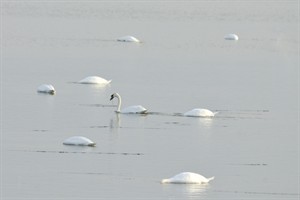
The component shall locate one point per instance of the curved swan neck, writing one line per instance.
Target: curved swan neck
(119, 102)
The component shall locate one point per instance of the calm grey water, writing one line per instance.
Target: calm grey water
(251, 146)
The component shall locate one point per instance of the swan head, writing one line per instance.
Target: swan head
(119, 101)
(114, 95)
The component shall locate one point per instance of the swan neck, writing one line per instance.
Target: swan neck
(119, 102)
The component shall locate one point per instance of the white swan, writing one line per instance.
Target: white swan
(46, 88)
(79, 141)
(200, 112)
(187, 178)
(128, 39)
(94, 80)
(231, 36)
(138, 109)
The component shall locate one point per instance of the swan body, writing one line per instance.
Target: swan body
(46, 88)
(79, 141)
(231, 36)
(94, 80)
(128, 39)
(199, 112)
(137, 109)
(187, 178)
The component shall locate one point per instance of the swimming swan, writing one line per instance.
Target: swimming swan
(187, 178)
(46, 88)
(94, 80)
(231, 36)
(128, 39)
(138, 109)
(199, 112)
(79, 141)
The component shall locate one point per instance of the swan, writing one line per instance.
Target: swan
(79, 141)
(46, 88)
(128, 39)
(199, 112)
(94, 80)
(187, 178)
(231, 36)
(138, 109)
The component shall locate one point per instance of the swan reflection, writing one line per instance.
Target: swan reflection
(187, 191)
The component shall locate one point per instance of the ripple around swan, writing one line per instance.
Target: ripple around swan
(126, 127)
(253, 192)
(84, 152)
(99, 105)
(251, 164)
(104, 126)
(242, 114)
(222, 114)
(40, 130)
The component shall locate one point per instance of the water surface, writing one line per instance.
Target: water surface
(251, 146)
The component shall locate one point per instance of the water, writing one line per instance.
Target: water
(251, 146)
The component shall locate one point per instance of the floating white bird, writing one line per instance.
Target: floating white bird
(187, 178)
(79, 141)
(200, 112)
(231, 36)
(46, 88)
(138, 109)
(128, 39)
(95, 80)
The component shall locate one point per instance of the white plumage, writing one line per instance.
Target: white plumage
(46, 88)
(128, 39)
(79, 141)
(136, 109)
(231, 36)
(199, 112)
(95, 80)
(187, 178)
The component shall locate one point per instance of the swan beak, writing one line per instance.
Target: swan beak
(111, 97)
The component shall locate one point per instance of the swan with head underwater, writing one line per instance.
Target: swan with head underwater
(199, 112)
(79, 141)
(187, 178)
(46, 88)
(136, 109)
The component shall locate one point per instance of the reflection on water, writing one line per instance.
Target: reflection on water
(196, 191)
(186, 191)
(115, 122)
(206, 122)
